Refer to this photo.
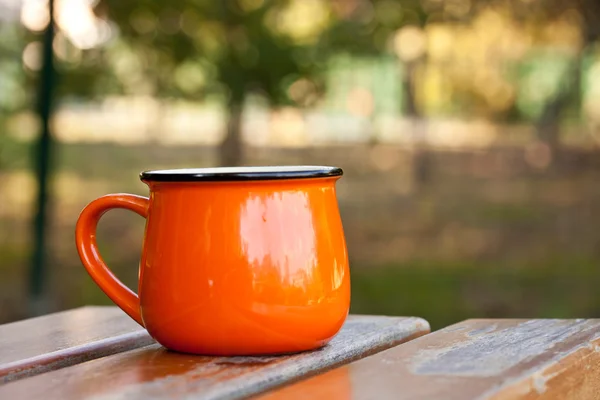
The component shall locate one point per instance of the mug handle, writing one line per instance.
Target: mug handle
(87, 247)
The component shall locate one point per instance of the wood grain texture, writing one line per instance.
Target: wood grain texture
(155, 373)
(475, 359)
(66, 338)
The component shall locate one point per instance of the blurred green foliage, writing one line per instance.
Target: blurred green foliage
(282, 50)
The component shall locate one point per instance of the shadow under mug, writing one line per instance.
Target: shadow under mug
(235, 261)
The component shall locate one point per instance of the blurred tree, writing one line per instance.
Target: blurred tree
(373, 27)
(196, 48)
(538, 19)
(586, 14)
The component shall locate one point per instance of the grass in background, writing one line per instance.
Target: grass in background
(445, 293)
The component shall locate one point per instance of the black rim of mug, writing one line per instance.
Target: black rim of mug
(224, 174)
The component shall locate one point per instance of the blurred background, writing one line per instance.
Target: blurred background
(468, 130)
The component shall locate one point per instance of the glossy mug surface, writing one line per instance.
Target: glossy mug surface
(235, 261)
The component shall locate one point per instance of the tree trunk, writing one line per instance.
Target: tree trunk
(231, 150)
(408, 86)
(421, 156)
(156, 129)
(548, 125)
(38, 304)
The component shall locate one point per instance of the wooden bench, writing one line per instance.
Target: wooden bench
(58, 340)
(475, 359)
(99, 352)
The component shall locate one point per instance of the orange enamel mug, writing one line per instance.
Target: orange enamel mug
(235, 261)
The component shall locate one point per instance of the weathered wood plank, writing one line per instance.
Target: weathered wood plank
(153, 372)
(475, 359)
(66, 338)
